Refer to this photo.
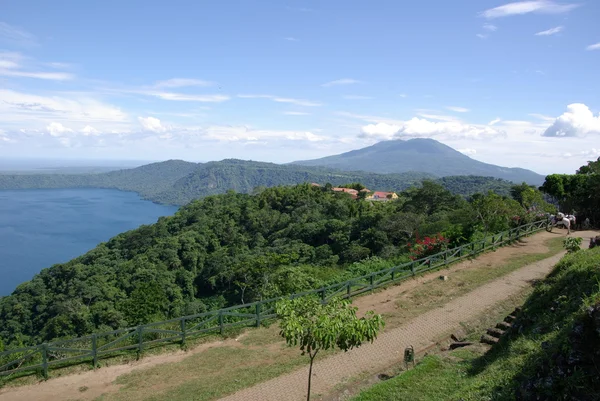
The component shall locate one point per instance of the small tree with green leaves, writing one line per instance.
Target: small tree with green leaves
(572, 244)
(317, 326)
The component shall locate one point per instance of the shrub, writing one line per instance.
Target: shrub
(572, 244)
(427, 246)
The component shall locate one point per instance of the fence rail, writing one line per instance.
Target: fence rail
(91, 348)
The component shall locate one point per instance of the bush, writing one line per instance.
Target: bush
(427, 246)
(572, 244)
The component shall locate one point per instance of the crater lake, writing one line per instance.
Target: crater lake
(42, 227)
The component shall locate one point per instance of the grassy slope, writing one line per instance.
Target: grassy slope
(554, 355)
(268, 357)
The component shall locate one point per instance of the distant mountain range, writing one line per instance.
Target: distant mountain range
(177, 182)
(423, 155)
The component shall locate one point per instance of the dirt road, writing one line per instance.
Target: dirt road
(387, 349)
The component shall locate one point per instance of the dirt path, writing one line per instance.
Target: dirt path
(420, 332)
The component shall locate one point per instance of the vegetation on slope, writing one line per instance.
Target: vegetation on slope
(578, 192)
(236, 248)
(552, 352)
(177, 182)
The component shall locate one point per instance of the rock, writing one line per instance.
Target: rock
(510, 318)
(444, 278)
(456, 338)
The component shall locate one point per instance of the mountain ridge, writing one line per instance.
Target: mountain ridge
(398, 156)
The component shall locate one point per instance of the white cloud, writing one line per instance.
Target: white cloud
(542, 117)
(24, 109)
(403, 95)
(595, 46)
(299, 102)
(343, 81)
(421, 128)
(429, 114)
(457, 109)
(482, 35)
(490, 27)
(54, 76)
(243, 133)
(291, 39)
(182, 82)
(89, 130)
(494, 121)
(15, 35)
(11, 66)
(468, 151)
(357, 97)
(295, 113)
(551, 31)
(577, 121)
(191, 98)
(57, 129)
(152, 124)
(526, 7)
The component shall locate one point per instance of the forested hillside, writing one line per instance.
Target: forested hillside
(234, 248)
(177, 182)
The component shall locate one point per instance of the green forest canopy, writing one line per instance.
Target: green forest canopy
(234, 248)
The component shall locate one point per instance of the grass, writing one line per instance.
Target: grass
(533, 362)
(213, 373)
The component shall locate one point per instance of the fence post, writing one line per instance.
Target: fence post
(412, 267)
(182, 327)
(221, 322)
(140, 332)
(371, 281)
(258, 314)
(323, 297)
(45, 360)
(393, 273)
(95, 350)
(445, 257)
(349, 288)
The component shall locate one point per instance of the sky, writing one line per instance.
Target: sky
(513, 84)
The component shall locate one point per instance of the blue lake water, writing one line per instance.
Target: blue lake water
(39, 228)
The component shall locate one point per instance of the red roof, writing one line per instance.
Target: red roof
(380, 194)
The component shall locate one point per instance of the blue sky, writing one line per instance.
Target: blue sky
(513, 84)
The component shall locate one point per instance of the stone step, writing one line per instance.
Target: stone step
(460, 344)
(503, 325)
(488, 339)
(510, 318)
(495, 332)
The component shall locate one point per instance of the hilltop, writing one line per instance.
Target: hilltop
(178, 182)
(420, 154)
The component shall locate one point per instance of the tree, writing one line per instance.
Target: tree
(317, 326)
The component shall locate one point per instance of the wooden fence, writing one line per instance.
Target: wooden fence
(89, 349)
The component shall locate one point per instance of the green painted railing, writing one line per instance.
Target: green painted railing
(89, 349)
